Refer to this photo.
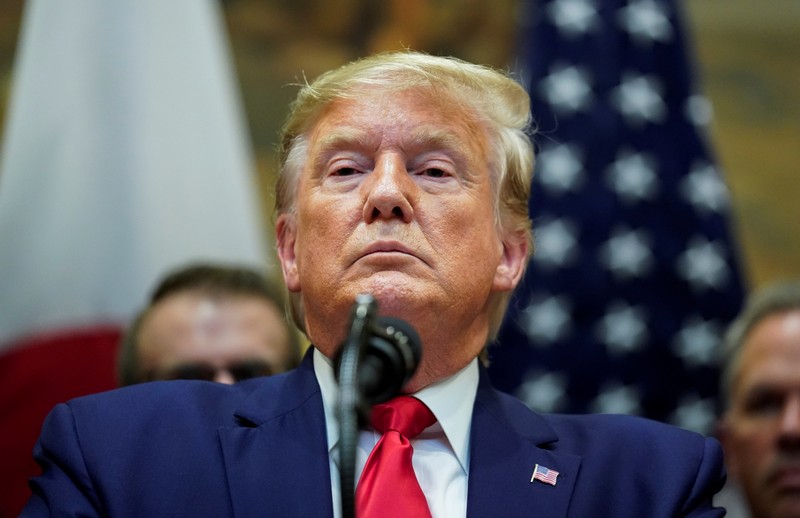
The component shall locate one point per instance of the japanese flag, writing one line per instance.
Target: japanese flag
(124, 155)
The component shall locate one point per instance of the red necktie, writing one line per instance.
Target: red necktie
(388, 487)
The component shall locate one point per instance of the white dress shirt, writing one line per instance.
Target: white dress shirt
(441, 451)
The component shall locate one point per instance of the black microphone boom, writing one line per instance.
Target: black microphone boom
(378, 357)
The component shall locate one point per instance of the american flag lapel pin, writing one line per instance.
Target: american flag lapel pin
(543, 474)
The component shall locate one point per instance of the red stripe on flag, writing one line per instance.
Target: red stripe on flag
(35, 375)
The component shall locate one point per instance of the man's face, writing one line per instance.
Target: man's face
(191, 335)
(761, 431)
(395, 200)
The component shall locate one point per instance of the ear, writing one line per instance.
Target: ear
(512, 262)
(286, 237)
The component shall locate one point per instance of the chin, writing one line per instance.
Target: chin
(394, 293)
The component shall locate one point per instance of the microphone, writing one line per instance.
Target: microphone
(378, 357)
(386, 352)
(390, 359)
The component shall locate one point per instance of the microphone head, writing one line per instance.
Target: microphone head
(392, 356)
(408, 340)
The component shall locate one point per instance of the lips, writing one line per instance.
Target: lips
(787, 479)
(381, 247)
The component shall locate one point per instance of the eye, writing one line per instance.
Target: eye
(345, 171)
(434, 172)
(763, 403)
(433, 165)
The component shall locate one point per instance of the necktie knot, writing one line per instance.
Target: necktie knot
(388, 487)
(404, 414)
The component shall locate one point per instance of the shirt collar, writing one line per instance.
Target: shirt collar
(451, 400)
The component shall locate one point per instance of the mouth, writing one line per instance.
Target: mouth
(387, 247)
(388, 250)
(786, 479)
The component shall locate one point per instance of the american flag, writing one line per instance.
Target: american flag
(548, 476)
(635, 275)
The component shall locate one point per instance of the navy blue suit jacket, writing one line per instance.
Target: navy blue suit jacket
(259, 449)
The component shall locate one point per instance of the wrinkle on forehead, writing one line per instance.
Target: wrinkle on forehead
(355, 137)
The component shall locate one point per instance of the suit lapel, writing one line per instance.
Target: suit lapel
(277, 460)
(507, 441)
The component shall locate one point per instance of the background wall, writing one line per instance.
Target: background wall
(746, 52)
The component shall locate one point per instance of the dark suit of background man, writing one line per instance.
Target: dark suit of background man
(404, 176)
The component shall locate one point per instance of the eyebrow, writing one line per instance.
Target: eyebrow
(435, 139)
(341, 138)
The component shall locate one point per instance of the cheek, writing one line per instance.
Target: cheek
(753, 443)
(474, 234)
(323, 251)
(320, 230)
(472, 255)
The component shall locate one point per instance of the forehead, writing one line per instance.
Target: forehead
(771, 351)
(409, 118)
(187, 319)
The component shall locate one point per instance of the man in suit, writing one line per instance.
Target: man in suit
(403, 176)
(760, 429)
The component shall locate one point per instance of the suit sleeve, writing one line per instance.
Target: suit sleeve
(64, 488)
(709, 480)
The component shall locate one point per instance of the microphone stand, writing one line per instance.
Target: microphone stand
(351, 408)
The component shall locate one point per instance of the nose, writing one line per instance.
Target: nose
(389, 191)
(790, 423)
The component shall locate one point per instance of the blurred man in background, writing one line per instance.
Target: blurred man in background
(211, 322)
(760, 430)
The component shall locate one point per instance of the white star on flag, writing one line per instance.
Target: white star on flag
(617, 399)
(559, 168)
(695, 414)
(638, 99)
(646, 21)
(627, 253)
(574, 17)
(623, 328)
(556, 242)
(567, 88)
(632, 176)
(543, 391)
(546, 319)
(703, 264)
(698, 110)
(698, 341)
(704, 188)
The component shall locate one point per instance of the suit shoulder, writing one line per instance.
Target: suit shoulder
(637, 436)
(616, 424)
(621, 465)
(172, 401)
